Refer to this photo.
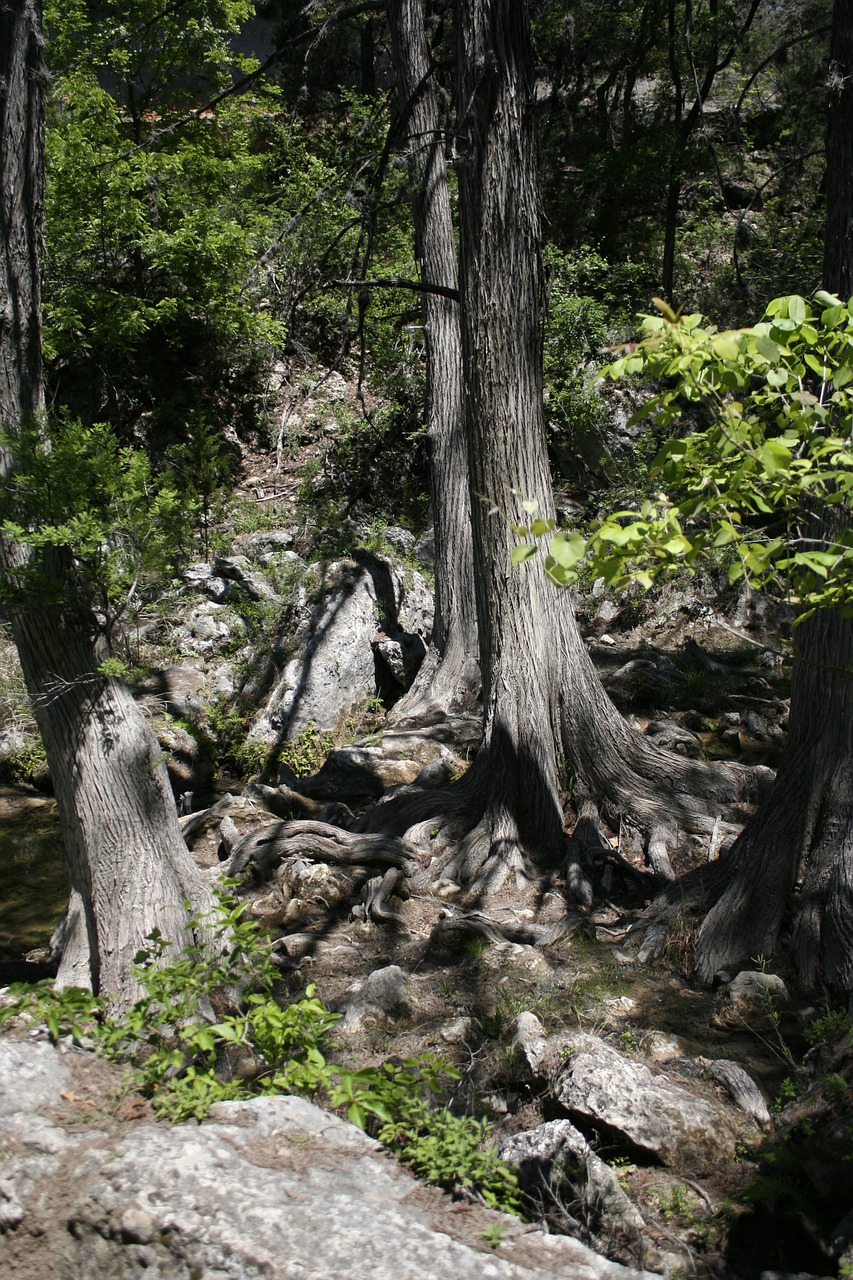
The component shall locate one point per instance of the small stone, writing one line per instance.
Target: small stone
(458, 1031)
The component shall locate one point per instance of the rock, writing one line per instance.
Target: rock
(267, 540)
(269, 1187)
(755, 726)
(741, 1088)
(459, 1031)
(661, 1046)
(189, 767)
(727, 721)
(332, 672)
(752, 999)
(385, 994)
(238, 570)
(402, 655)
(530, 1040)
(207, 628)
(425, 548)
(353, 770)
(401, 540)
(178, 690)
(603, 1088)
(556, 1163)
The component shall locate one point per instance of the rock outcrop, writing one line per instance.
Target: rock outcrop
(272, 1188)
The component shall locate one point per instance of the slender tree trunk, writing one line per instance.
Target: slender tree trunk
(794, 861)
(128, 866)
(501, 293)
(450, 678)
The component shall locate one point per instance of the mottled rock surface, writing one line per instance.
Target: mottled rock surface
(273, 1188)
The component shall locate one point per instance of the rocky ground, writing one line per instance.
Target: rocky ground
(666, 1127)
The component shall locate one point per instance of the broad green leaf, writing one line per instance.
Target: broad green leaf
(797, 309)
(775, 456)
(567, 551)
(726, 346)
(523, 551)
(541, 527)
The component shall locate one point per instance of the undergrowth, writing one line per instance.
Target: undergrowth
(208, 1029)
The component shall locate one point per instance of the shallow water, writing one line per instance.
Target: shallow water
(34, 884)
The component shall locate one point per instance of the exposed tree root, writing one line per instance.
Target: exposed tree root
(457, 926)
(260, 852)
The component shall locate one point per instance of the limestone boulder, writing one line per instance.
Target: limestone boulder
(602, 1088)
(270, 1187)
(337, 611)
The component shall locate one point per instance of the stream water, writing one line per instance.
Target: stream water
(34, 885)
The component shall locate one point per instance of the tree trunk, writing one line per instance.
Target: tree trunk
(128, 866)
(450, 677)
(542, 697)
(798, 849)
(501, 295)
(795, 859)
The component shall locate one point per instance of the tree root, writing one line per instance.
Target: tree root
(260, 852)
(455, 927)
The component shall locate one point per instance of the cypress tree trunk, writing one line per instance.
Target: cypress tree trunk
(450, 677)
(543, 704)
(128, 866)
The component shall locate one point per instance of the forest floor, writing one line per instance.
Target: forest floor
(715, 678)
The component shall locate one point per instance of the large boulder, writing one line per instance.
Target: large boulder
(557, 1165)
(339, 608)
(604, 1089)
(270, 1187)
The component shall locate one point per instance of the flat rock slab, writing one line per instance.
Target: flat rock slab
(602, 1087)
(268, 1189)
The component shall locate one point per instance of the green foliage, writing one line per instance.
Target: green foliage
(588, 301)
(775, 401)
(84, 495)
(831, 1026)
(307, 751)
(203, 1010)
(155, 219)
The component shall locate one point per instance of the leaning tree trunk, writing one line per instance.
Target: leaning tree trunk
(450, 677)
(794, 861)
(128, 866)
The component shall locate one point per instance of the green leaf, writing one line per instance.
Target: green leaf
(797, 309)
(726, 346)
(775, 456)
(522, 551)
(568, 551)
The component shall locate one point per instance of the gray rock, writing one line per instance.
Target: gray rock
(272, 1187)
(752, 999)
(206, 629)
(741, 1088)
(238, 569)
(178, 690)
(333, 671)
(556, 1162)
(604, 1088)
(671, 736)
(425, 548)
(402, 654)
(728, 720)
(385, 994)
